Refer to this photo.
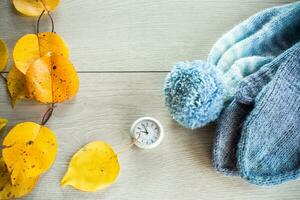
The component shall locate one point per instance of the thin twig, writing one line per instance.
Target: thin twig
(48, 114)
(52, 21)
(39, 19)
(38, 22)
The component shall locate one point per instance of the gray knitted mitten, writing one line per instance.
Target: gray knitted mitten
(269, 147)
(231, 119)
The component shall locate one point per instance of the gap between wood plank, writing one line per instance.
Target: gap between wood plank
(114, 72)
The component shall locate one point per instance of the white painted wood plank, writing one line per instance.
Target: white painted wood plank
(143, 36)
(107, 104)
(139, 35)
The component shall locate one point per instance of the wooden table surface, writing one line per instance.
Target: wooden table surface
(123, 50)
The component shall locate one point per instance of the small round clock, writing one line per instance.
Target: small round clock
(147, 132)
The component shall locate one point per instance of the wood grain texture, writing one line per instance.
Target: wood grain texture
(136, 35)
(143, 37)
(107, 104)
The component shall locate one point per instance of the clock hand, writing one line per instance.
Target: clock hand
(144, 132)
(145, 129)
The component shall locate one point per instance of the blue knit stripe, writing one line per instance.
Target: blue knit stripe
(244, 30)
(240, 69)
(284, 28)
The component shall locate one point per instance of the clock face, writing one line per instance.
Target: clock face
(147, 132)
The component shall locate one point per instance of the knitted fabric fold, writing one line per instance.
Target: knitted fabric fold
(231, 120)
(262, 38)
(244, 30)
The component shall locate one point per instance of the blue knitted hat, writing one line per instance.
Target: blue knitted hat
(195, 92)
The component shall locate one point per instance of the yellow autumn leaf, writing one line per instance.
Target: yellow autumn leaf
(31, 47)
(3, 55)
(29, 150)
(93, 167)
(3, 123)
(16, 84)
(19, 189)
(52, 79)
(35, 7)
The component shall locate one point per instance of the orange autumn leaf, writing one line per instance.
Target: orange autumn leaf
(52, 79)
(29, 149)
(19, 189)
(3, 55)
(35, 7)
(16, 84)
(31, 47)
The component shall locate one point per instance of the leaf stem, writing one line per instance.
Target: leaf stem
(48, 114)
(49, 111)
(39, 19)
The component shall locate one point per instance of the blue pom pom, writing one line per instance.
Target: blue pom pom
(194, 93)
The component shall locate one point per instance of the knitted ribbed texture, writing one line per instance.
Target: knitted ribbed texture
(194, 100)
(242, 31)
(231, 120)
(269, 147)
(257, 41)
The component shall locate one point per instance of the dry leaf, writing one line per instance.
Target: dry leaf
(3, 123)
(52, 79)
(31, 47)
(16, 84)
(19, 189)
(34, 7)
(3, 55)
(93, 167)
(29, 149)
